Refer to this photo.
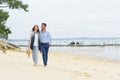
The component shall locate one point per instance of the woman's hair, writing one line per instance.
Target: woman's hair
(33, 29)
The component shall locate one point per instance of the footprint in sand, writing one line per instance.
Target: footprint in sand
(86, 74)
(77, 58)
(106, 72)
(118, 74)
(94, 69)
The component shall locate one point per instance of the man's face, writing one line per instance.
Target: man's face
(43, 27)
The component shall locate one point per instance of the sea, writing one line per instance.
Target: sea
(103, 48)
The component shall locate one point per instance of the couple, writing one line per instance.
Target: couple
(39, 40)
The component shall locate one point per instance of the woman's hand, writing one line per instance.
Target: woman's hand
(28, 44)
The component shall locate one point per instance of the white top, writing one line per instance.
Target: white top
(36, 40)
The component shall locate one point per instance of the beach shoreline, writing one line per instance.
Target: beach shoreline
(60, 67)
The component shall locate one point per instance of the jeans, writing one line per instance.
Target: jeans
(44, 50)
(35, 54)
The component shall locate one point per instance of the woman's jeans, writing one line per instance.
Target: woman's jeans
(35, 54)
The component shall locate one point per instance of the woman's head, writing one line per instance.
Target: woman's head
(35, 28)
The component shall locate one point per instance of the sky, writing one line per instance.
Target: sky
(67, 18)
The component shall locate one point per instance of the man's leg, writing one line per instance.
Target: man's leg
(43, 54)
(47, 50)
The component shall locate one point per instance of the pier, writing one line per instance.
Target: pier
(75, 42)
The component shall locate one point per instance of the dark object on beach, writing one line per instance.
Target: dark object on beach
(72, 43)
(3, 49)
(77, 43)
(13, 45)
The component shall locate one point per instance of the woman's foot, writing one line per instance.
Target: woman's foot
(35, 64)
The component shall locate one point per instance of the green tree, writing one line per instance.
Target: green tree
(12, 4)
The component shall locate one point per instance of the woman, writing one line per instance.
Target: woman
(34, 43)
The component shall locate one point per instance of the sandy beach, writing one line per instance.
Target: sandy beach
(18, 66)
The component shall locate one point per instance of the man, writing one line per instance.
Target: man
(45, 40)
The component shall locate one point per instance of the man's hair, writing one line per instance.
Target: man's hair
(44, 24)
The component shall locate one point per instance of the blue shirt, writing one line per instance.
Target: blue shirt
(45, 37)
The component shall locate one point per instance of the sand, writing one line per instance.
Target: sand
(18, 66)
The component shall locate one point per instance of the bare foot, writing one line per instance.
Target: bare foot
(45, 65)
(35, 64)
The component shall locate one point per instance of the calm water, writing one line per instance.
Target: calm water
(108, 52)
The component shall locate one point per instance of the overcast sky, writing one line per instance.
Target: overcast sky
(68, 18)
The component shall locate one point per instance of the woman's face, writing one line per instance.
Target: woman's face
(36, 28)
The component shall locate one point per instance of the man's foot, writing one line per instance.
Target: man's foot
(45, 65)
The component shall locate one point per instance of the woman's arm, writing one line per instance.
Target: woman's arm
(29, 40)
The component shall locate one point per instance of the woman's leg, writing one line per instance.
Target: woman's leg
(35, 55)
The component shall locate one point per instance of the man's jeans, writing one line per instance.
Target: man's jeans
(44, 50)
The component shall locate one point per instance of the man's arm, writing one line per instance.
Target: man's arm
(50, 38)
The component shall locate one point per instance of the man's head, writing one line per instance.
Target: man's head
(43, 26)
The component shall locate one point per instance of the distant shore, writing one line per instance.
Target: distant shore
(79, 42)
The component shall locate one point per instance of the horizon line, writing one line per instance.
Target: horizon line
(79, 38)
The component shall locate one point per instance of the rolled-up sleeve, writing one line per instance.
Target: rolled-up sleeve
(49, 37)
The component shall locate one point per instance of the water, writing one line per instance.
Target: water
(108, 52)
(104, 52)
